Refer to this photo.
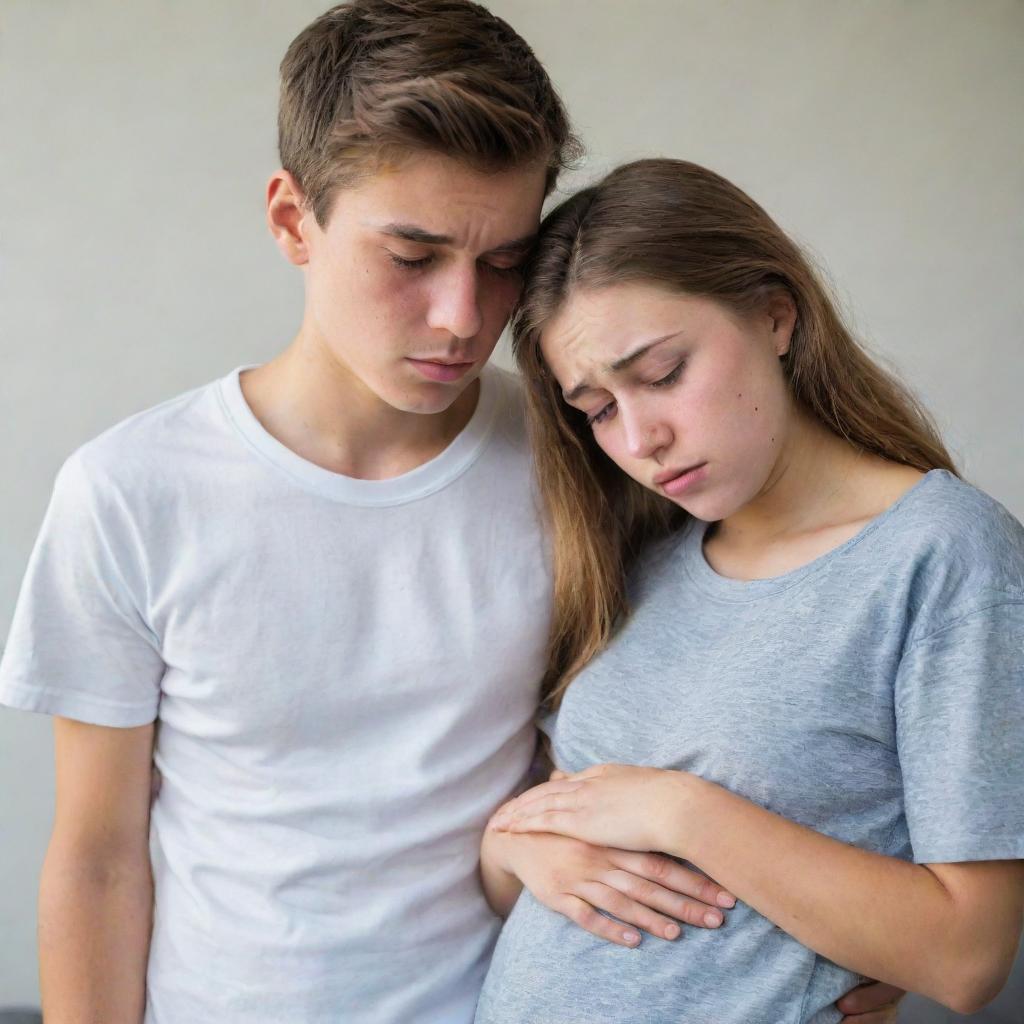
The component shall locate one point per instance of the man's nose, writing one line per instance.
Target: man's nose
(455, 307)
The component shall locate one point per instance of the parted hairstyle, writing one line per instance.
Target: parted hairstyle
(676, 225)
(371, 81)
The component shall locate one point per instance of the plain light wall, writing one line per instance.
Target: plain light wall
(886, 135)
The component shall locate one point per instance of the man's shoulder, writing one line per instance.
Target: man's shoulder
(148, 445)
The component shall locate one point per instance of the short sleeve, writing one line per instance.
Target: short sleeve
(79, 644)
(960, 733)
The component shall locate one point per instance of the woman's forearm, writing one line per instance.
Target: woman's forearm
(501, 886)
(883, 917)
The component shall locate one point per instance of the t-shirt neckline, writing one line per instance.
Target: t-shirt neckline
(725, 587)
(418, 483)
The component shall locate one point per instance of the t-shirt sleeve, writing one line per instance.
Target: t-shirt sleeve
(79, 644)
(960, 734)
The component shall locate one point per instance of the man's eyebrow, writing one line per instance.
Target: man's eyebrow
(413, 233)
(619, 365)
(517, 245)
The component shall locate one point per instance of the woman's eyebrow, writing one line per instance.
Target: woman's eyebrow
(630, 358)
(619, 365)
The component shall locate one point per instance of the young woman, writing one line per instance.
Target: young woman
(817, 695)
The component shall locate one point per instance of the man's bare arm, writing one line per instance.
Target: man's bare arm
(96, 893)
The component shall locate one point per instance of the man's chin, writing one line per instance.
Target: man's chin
(430, 398)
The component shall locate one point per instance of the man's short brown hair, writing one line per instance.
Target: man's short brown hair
(374, 79)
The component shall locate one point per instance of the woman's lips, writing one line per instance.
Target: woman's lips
(441, 371)
(682, 481)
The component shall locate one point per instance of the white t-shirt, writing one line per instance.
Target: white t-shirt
(344, 674)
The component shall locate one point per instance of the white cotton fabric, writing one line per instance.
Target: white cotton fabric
(344, 674)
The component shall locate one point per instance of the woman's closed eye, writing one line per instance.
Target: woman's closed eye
(601, 415)
(670, 378)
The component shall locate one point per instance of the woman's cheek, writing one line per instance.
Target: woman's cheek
(611, 440)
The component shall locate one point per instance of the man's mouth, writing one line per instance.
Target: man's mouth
(443, 370)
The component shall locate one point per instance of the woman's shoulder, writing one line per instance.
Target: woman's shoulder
(942, 512)
(958, 548)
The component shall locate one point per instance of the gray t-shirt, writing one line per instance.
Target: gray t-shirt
(875, 695)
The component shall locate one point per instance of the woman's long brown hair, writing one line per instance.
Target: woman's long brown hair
(676, 225)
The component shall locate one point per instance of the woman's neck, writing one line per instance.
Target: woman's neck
(822, 491)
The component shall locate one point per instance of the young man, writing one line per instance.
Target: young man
(316, 592)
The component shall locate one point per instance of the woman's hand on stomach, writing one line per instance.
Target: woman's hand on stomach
(622, 806)
(578, 880)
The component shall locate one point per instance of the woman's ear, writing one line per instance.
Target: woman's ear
(781, 311)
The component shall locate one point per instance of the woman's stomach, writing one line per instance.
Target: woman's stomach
(547, 970)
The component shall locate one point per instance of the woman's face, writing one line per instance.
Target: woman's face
(686, 397)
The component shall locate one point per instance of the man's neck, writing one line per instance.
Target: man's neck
(316, 407)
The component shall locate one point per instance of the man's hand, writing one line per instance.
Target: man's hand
(643, 890)
(873, 1003)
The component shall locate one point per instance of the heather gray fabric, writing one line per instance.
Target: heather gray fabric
(876, 695)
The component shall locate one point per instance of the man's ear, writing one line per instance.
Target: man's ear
(286, 217)
(781, 311)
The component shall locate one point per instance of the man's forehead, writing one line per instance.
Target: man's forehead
(426, 190)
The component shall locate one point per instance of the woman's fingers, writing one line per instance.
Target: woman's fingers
(667, 874)
(526, 816)
(631, 912)
(545, 791)
(586, 883)
(559, 823)
(673, 904)
(583, 914)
